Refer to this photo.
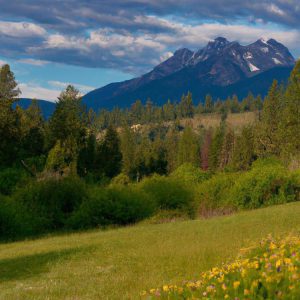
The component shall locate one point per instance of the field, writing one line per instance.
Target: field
(236, 121)
(120, 263)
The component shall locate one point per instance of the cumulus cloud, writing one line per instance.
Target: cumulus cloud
(81, 87)
(134, 35)
(34, 91)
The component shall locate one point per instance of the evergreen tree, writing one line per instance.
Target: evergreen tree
(109, 156)
(227, 149)
(290, 124)
(216, 147)
(188, 148)
(128, 148)
(209, 105)
(243, 153)
(268, 138)
(68, 125)
(10, 132)
(205, 149)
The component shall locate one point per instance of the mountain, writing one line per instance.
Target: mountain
(46, 107)
(221, 68)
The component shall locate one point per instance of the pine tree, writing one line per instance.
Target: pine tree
(128, 148)
(243, 153)
(268, 137)
(188, 148)
(216, 147)
(227, 149)
(10, 130)
(109, 156)
(290, 124)
(205, 149)
(209, 105)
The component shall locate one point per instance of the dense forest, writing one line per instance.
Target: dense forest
(83, 169)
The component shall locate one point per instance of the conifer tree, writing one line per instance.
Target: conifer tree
(188, 148)
(268, 138)
(209, 105)
(290, 124)
(10, 131)
(216, 147)
(243, 153)
(205, 149)
(109, 156)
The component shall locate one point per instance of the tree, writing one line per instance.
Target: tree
(67, 126)
(33, 133)
(186, 106)
(188, 148)
(227, 149)
(128, 147)
(109, 156)
(290, 124)
(205, 150)
(243, 153)
(216, 147)
(209, 105)
(9, 119)
(268, 137)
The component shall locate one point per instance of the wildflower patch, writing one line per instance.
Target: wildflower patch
(270, 271)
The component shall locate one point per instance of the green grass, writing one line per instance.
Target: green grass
(120, 263)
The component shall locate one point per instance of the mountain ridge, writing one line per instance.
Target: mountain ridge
(218, 66)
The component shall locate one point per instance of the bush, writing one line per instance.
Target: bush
(265, 184)
(10, 179)
(15, 221)
(122, 179)
(212, 195)
(115, 205)
(51, 202)
(170, 193)
(190, 174)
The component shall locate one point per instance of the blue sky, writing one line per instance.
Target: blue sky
(90, 43)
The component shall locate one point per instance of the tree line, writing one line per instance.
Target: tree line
(145, 139)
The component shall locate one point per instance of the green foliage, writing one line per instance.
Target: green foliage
(121, 179)
(190, 174)
(115, 205)
(212, 195)
(188, 148)
(169, 193)
(52, 202)
(9, 179)
(109, 156)
(267, 183)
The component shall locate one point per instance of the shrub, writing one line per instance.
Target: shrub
(15, 221)
(265, 184)
(51, 202)
(122, 179)
(10, 179)
(170, 193)
(115, 205)
(212, 195)
(190, 174)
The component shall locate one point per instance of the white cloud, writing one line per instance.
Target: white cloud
(34, 91)
(35, 62)
(21, 29)
(62, 85)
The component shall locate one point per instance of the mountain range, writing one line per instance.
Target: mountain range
(221, 69)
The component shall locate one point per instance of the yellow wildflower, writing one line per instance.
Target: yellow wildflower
(236, 284)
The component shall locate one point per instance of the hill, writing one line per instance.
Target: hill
(221, 69)
(120, 263)
(46, 107)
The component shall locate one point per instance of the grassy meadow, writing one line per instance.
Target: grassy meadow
(120, 263)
